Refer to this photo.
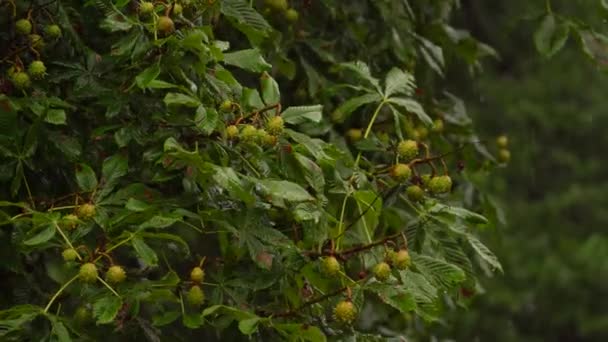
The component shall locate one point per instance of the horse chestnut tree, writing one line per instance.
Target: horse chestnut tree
(171, 169)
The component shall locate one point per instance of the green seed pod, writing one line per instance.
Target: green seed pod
(23, 26)
(407, 150)
(88, 273)
(345, 312)
(116, 274)
(401, 172)
(330, 266)
(414, 193)
(382, 271)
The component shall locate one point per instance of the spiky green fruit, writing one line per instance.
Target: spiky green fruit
(407, 150)
(86, 211)
(437, 126)
(504, 155)
(440, 184)
(249, 133)
(382, 271)
(165, 25)
(226, 106)
(401, 172)
(69, 221)
(414, 193)
(425, 179)
(23, 26)
(197, 275)
(82, 315)
(232, 132)
(269, 139)
(354, 134)
(345, 312)
(21, 80)
(292, 15)
(146, 8)
(330, 266)
(88, 272)
(178, 9)
(277, 5)
(401, 259)
(69, 254)
(502, 141)
(116, 274)
(52, 31)
(275, 125)
(37, 69)
(195, 296)
(421, 133)
(36, 41)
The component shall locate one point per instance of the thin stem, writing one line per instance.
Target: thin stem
(357, 160)
(64, 207)
(48, 306)
(65, 238)
(108, 286)
(181, 303)
(29, 191)
(120, 243)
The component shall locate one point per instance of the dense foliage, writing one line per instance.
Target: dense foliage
(227, 168)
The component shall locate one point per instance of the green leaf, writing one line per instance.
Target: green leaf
(59, 330)
(106, 308)
(462, 213)
(432, 54)
(165, 236)
(439, 272)
(243, 13)
(172, 99)
(249, 59)
(159, 222)
(85, 177)
(249, 326)
(312, 172)
(16, 317)
(285, 190)
(148, 75)
(484, 252)
(113, 168)
(393, 296)
(551, 35)
(346, 108)
(412, 106)
(361, 70)
(229, 180)
(301, 114)
(147, 254)
(270, 90)
(300, 332)
(370, 203)
(399, 82)
(56, 116)
(137, 205)
(115, 22)
(206, 120)
(45, 235)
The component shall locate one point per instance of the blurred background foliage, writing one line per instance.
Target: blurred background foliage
(554, 192)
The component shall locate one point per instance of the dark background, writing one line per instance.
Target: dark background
(553, 245)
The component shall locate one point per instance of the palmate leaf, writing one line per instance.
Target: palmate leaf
(14, 318)
(244, 14)
(361, 70)
(484, 252)
(412, 106)
(398, 82)
(439, 272)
